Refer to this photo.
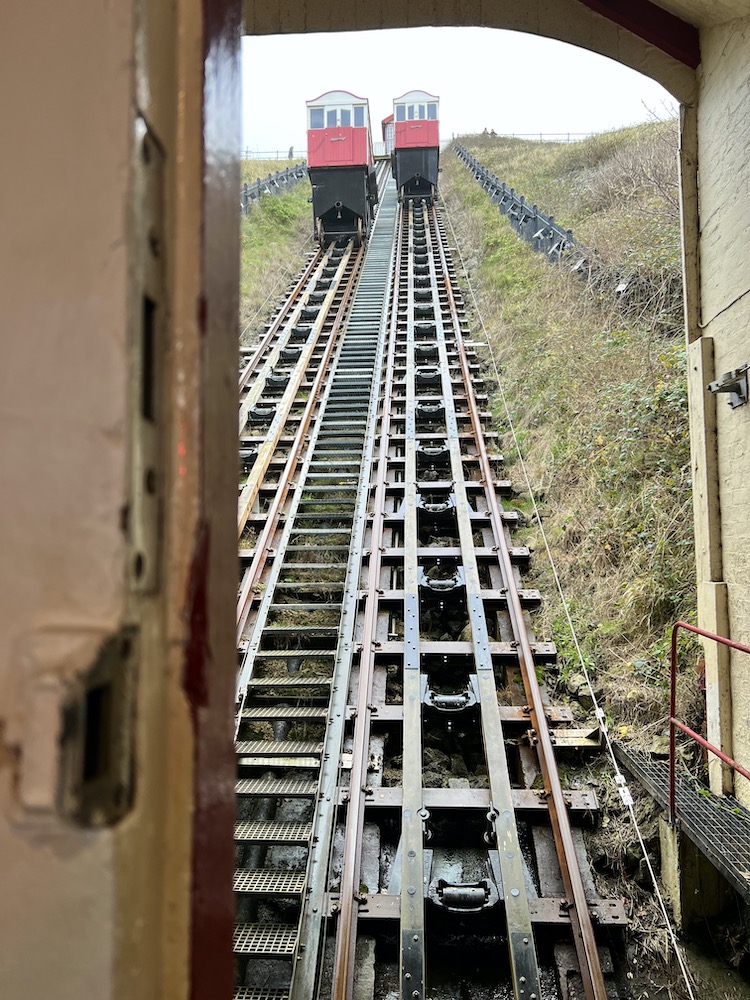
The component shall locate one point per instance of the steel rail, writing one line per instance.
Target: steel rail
(343, 963)
(284, 406)
(351, 367)
(412, 919)
(364, 331)
(521, 947)
(272, 358)
(262, 551)
(583, 931)
(262, 346)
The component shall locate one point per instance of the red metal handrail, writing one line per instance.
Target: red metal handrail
(675, 724)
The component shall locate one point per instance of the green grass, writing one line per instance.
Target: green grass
(274, 239)
(596, 390)
(253, 170)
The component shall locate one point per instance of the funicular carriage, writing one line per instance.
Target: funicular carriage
(416, 145)
(341, 166)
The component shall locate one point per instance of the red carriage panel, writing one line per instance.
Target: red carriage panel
(338, 147)
(416, 134)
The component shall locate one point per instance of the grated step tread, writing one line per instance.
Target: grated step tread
(261, 993)
(288, 788)
(267, 882)
(270, 832)
(265, 940)
(278, 748)
(276, 712)
(295, 681)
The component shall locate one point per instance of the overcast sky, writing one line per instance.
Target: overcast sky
(485, 78)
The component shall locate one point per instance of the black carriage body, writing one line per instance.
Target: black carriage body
(416, 171)
(343, 200)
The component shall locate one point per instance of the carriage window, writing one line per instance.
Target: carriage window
(331, 119)
(432, 112)
(410, 110)
(401, 113)
(346, 117)
(421, 111)
(317, 119)
(359, 117)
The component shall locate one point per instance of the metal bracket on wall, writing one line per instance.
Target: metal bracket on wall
(96, 742)
(148, 345)
(734, 383)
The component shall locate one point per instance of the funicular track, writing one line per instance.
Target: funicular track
(402, 829)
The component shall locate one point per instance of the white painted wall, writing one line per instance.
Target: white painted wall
(67, 80)
(724, 182)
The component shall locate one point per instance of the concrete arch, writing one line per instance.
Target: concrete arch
(638, 34)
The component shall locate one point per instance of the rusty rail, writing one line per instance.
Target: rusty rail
(263, 344)
(343, 977)
(583, 931)
(252, 574)
(297, 668)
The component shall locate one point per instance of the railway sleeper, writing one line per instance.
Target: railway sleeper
(433, 596)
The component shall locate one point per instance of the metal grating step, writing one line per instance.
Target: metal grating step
(261, 993)
(266, 882)
(269, 832)
(718, 826)
(284, 763)
(287, 788)
(292, 654)
(276, 712)
(264, 940)
(278, 748)
(295, 681)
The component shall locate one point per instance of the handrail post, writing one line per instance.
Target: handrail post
(672, 714)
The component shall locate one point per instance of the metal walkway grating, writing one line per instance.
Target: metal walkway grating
(718, 826)
(265, 882)
(265, 940)
(296, 680)
(268, 832)
(276, 712)
(278, 748)
(287, 788)
(260, 993)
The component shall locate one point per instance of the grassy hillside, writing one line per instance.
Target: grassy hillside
(274, 240)
(595, 386)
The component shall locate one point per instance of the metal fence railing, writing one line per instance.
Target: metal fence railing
(273, 154)
(675, 723)
(282, 180)
(540, 230)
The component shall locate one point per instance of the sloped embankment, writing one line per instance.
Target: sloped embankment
(593, 373)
